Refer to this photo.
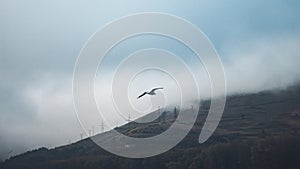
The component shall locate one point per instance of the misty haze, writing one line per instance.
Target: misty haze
(44, 125)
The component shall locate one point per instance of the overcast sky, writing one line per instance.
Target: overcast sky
(258, 43)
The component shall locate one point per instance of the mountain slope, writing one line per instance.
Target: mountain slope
(259, 130)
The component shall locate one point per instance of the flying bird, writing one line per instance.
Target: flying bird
(152, 92)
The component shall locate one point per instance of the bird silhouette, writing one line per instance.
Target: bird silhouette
(152, 92)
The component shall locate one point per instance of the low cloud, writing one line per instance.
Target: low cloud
(264, 64)
(40, 112)
(49, 121)
(40, 41)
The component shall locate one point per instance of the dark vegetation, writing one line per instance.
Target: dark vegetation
(257, 131)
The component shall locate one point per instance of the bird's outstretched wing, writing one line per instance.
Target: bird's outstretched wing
(142, 95)
(153, 90)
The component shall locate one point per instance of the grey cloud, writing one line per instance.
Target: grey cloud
(40, 41)
(13, 102)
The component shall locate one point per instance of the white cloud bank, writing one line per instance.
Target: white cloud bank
(263, 65)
